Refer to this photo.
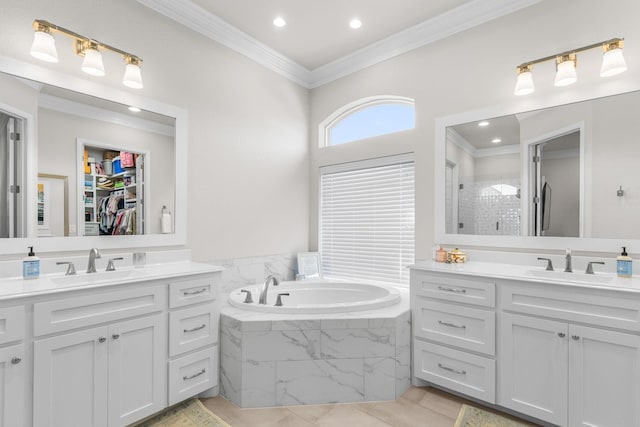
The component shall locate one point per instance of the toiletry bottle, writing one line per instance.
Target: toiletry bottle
(624, 266)
(441, 255)
(31, 265)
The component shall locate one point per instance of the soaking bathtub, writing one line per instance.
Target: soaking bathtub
(319, 296)
(330, 342)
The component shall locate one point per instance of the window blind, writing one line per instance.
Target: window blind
(367, 221)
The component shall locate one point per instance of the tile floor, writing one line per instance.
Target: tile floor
(418, 406)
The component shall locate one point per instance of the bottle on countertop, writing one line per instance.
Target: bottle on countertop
(31, 265)
(624, 266)
(441, 255)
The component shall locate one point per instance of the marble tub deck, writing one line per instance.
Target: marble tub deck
(284, 360)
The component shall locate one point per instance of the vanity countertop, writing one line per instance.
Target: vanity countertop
(534, 274)
(17, 287)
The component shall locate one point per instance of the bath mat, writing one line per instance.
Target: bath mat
(470, 416)
(191, 413)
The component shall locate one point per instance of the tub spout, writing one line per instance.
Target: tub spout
(265, 287)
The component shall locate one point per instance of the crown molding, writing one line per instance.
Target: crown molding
(209, 25)
(455, 138)
(454, 21)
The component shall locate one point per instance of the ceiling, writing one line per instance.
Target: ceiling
(318, 32)
(317, 45)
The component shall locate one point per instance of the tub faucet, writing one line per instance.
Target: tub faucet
(567, 265)
(265, 287)
(93, 254)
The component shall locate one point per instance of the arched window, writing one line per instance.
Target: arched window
(366, 118)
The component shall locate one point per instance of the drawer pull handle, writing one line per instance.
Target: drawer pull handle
(102, 339)
(197, 374)
(199, 291)
(450, 369)
(561, 334)
(197, 328)
(115, 336)
(575, 337)
(15, 360)
(455, 290)
(452, 325)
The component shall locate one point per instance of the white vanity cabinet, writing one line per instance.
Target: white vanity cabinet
(12, 366)
(565, 354)
(108, 375)
(453, 322)
(567, 373)
(193, 337)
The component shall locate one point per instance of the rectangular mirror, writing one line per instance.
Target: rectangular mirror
(119, 165)
(567, 171)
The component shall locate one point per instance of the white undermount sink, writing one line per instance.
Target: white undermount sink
(596, 279)
(99, 277)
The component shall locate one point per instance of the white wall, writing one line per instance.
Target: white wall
(248, 127)
(474, 70)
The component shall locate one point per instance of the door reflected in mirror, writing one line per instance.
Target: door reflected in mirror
(551, 172)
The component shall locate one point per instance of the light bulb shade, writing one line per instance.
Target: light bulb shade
(132, 77)
(44, 47)
(566, 73)
(613, 63)
(92, 63)
(524, 84)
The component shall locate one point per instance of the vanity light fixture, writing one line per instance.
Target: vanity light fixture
(612, 63)
(44, 48)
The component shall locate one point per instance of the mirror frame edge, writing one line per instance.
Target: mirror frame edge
(76, 243)
(586, 244)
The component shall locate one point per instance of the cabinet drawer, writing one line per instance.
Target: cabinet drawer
(12, 324)
(465, 327)
(186, 292)
(71, 313)
(192, 327)
(468, 290)
(193, 374)
(595, 306)
(456, 370)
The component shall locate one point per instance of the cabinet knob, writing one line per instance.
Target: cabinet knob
(562, 334)
(102, 339)
(15, 360)
(115, 336)
(575, 337)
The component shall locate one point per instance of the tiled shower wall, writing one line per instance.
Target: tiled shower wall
(480, 212)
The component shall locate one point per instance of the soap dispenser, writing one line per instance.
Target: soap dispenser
(31, 265)
(624, 266)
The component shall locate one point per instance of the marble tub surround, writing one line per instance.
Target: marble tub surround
(251, 270)
(280, 360)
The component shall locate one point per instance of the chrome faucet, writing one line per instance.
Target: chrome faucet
(93, 254)
(567, 265)
(265, 287)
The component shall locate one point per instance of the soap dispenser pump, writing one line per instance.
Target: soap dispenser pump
(624, 266)
(31, 265)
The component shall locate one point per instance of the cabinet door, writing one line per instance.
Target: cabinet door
(70, 379)
(137, 369)
(12, 385)
(532, 373)
(604, 378)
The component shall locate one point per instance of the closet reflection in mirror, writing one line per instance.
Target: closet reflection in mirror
(56, 127)
(554, 172)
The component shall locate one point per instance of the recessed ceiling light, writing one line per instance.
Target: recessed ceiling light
(496, 140)
(134, 109)
(355, 23)
(279, 22)
(483, 123)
